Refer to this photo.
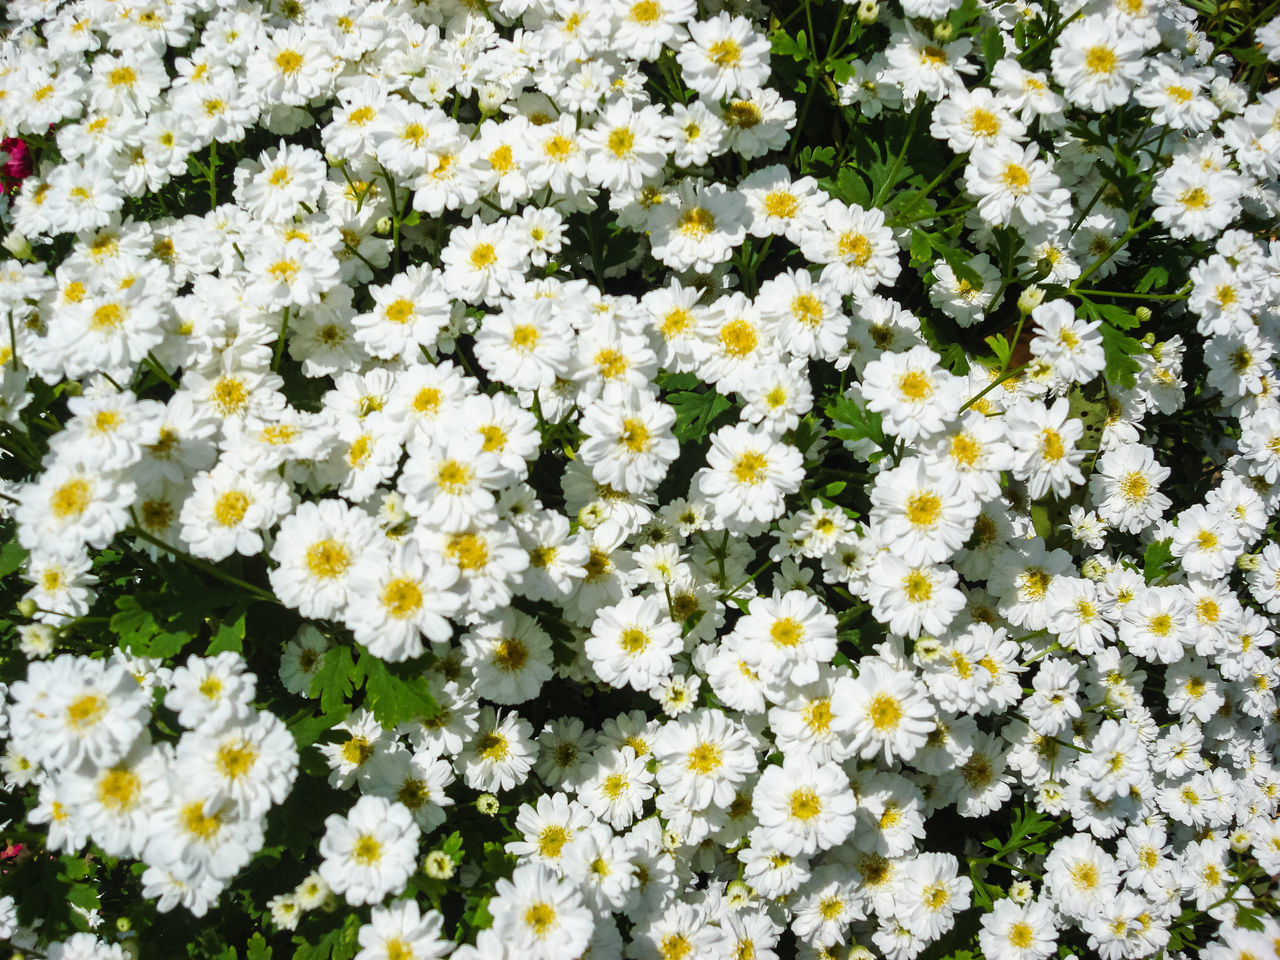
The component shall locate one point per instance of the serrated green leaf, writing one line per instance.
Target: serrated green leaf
(257, 948)
(229, 635)
(852, 188)
(1000, 347)
(1117, 316)
(1155, 278)
(955, 359)
(1157, 560)
(858, 423)
(133, 625)
(1121, 351)
(695, 411)
(334, 682)
(394, 699)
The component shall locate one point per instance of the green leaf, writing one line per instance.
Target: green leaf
(812, 158)
(1155, 278)
(992, 47)
(785, 45)
(921, 248)
(138, 632)
(11, 557)
(337, 944)
(1157, 560)
(1117, 316)
(133, 625)
(851, 188)
(229, 635)
(257, 948)
(858, 423)
(1040, 520)
(1001, 347)
(695, 411)
(394, 699)
(1120, 350)
(955, 359)
(334, 682)
(306, 727)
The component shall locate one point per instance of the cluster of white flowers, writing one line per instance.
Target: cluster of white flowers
(193, 811)
(386, 362)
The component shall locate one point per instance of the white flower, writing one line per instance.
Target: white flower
(371, 852)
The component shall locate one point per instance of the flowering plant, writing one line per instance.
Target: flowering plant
(646, 478)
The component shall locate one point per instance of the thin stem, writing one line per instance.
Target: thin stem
(928, 189)
(284, 329)
(159, 371)
(991, 386)
(891, 179)
(213, 166)
(1182, 295)
(1111, 252)
(209, 568)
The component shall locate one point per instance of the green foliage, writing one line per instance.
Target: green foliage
(1157, 560)
(696, 411)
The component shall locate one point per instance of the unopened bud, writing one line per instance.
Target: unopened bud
(27, 607)
(487, 804)
(927, 647)
(942, 31)
(18, 245)
(1241, 840)
(592, 515)
(439, 865)
(1248, 561)
(124, 924)
(1143, 314)
(868, 12)
(1029, 299)
(737, 894)
(383, 225)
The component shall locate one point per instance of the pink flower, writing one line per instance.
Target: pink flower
(18, 167)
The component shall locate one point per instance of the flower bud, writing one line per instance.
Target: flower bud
(592, 515)
(868, 12)
(942, 31)
(1143, 314)
(1029, 299)
(27, 607)
(439, 865)
(18, 245)
(737, 894)
(487, 804)
(383, 225)
(124, 924)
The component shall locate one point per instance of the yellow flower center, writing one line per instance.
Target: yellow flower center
(704, 758)
(402, 598)
(328, 559)
(885, 712)
(230, 508)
